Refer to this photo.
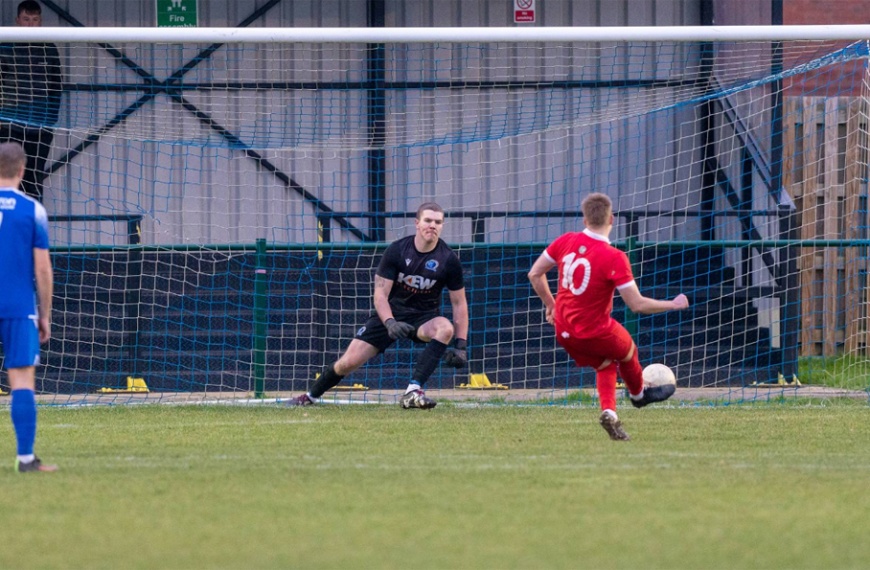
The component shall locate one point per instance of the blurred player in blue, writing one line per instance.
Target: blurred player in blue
(25, 267)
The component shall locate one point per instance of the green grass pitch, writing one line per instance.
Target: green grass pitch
(781, 485)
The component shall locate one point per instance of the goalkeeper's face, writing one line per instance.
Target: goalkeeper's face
(429, 225)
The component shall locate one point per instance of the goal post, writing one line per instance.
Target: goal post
(220, 197)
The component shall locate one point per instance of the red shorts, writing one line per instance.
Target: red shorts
(612, 344)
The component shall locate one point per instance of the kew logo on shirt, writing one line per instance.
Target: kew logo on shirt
(416, 281)
(7, 203)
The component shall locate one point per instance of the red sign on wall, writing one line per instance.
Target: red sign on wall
(524, 11)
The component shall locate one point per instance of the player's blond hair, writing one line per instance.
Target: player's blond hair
(597, 209)
(12, 159)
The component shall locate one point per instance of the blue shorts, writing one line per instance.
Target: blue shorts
(20, 340)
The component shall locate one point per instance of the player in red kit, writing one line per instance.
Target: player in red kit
(590, 269)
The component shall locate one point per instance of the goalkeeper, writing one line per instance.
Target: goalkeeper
(412, 273)
(590, 269)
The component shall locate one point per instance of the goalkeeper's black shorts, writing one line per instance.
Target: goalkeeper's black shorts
(375, 333)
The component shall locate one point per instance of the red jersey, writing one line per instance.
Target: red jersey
(590, 269)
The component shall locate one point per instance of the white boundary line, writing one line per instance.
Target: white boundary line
(686, 398)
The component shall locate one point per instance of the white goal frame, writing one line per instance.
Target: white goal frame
(610, 37)
(436, 34)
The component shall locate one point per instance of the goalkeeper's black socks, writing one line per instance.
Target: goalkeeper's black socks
(428, 361)
(327, 379)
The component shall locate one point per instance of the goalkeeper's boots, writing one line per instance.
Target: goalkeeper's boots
(613, 426)
(35, 465)
(301, 400)
(654, 394)
(417, 399)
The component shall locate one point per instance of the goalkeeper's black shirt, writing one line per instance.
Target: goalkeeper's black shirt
(418, 278)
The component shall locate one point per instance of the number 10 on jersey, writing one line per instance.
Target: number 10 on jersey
(570, 263)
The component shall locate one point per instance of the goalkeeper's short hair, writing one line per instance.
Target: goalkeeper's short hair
(428, 206)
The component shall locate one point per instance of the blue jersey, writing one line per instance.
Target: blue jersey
(23, 227)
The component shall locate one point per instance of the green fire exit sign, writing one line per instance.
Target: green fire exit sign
(176, 13)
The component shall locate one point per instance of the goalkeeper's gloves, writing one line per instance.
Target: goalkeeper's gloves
(457, 355)
(397, 329)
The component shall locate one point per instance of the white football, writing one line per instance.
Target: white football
(658, 374)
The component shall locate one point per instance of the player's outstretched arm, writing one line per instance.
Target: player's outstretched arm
(647, 306)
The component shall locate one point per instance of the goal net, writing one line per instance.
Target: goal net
(218, 206)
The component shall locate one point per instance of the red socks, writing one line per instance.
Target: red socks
(632, 374)
(605, 381)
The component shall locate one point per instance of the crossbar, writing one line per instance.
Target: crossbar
(435, 34)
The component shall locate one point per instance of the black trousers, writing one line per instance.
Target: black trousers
(37, 144)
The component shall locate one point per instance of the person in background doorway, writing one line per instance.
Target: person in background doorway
(31, 85)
